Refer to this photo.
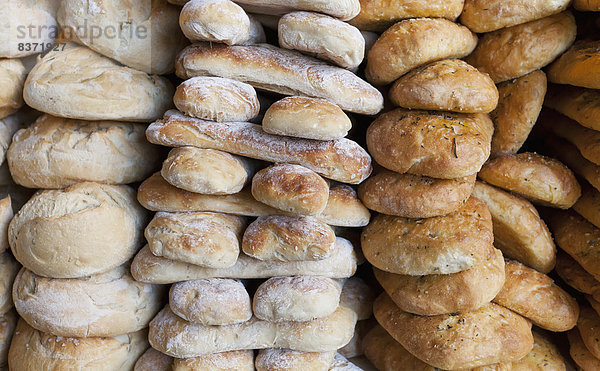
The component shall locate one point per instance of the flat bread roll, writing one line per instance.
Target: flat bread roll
(577, 66)
(518, 50)
(580, 353)
(207, 239)
(574, 275)
(212, 301)
(342, 9)
(436, 294)
(238, 360)
(518, 229)
(12, 78)
(579, 104)
(291, 360)
(24, 24)
(587, 5)
(77, 82)
(438, 245)
(106, 304)
(586, 140)
(487, 335)
(438, 145)
(221, 21)
(153, 360)
(6, 215)
(518, 108)
(588, 325)
(415, 42)
(35, 350)
(8, 322)
(588, 205)
(446, 85)
(358, 296)
(9, 268)
(56, 152)
(281, 71)
(84, 229)
(303, 31)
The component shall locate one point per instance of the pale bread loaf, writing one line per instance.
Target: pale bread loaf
(16, 40)
(153, 360)
(12, 78)
(355, 347)
(6, 215)
(9, 268)
(358, 296)
(342, 9)
(8, 322)
(235, 360)
(292, 360)
(8, 126)
(220, 21)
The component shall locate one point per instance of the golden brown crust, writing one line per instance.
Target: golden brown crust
(588, 205)
(8, 322)
(578, 66)
(586, 140)
(515, 51)
(587, 5)
(579, 104)
(446, 85)
(580, 353)
(414, 42)
(568, 154)
(574, 275)
(588, 325)
(439, 245)
(439, 145)
(540, 179)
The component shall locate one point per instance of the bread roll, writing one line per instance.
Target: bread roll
(439, 145)
(81, 230)
(439, 245)
(9, 268)
(589, 328)
(414, 196)
(288, 238)
(215, 20)
(344, 209)
(291, 360)
(281, 71)
(152, 269)
(579, 104)
(176, 337)
(56, 153)
(238, 360)
(212, 301)
(34, 350)
(586, 140)
(358, 296)
(207, 239)
(12, 78)
(518, 50)
(146, 37)
(8, 126)
(340, 363)
(6, 215)
(574, 275)
(577, 66)
(587, 5)
(355, 347)
(543, 180)
(487, 335)
(518, 229)
(76, 82)
(305, 117)
(303, 31)
(24, 24)
(8, 322)
(446, 85)
(153, 360)
(580, 353)
(342, 9)
(415, 42)
(588, 204)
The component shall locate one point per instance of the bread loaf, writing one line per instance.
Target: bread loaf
(577, 66)
(6, 215)
(25, 22)
(580, 353)
(239, 360)
(9, 268)
(587, 205)
(355, 347)
(586, 140)
(588, 325)
(342, 9)
(291, 360)
(153, 360)
(215, 20)
(358, 296)
(587, 5)
(8, 126)
(574, 275)
(12, 78)
(579, 104)
(8, 322)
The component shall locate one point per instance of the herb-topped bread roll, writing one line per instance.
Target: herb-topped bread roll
(12, 78)
(578, 66)
(575, 276)
(579, 104)
(586, 140)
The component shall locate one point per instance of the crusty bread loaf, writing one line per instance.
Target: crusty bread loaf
(291, 360)
(588, 325)
(8, 126)
(56, 153)
(344, 209)
(580, 353)
(414, 196)
(304, 31)
(438, 245)
(414, 42)
(152, 269)
(342, 9)
(8, 322)
(305, 117)
(586, 140)
(9, 268)
(574, 275)
(579, 104)
(84, 229)
(439, 145)
(76, 82)
(358, 296)
(6, 215)
(518, 50)
(446, 85)
(17, 40)
(153, 360)
(215, 20)
(212, 301)
(238, 360)
(355, 347)
(35, 350)
(588, 204)
(288, 238)
(12, 78)
(587, 5)
(518, 108)
(281, 71)
(577, 66)
(201, 238)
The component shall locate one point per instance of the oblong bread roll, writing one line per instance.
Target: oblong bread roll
(580, 353)
(587, 5)
(588, 325)
(342, 9)
(569, 155)
(579, 104)
(12, 78)
(578, 66)
(26, 23)
(9, 268)
(238, 360)
(292, 360)
(153, 360)
(221, 21)
(8, 322)
(6, 215)
(574, 275)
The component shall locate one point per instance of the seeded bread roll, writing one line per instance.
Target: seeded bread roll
(446, 85)
(342, 9)
(580, 353)
(578, 66)
(12, 78)
(215, 20)
(305, 117)
(439, 245)
(579, 104)
(439, 145)
(206, 239)
(588, 325)
(291, 360)
(211, 301)
(8, 322)
(518, 50)
(238, 360)
(288, 238)
(85, 229)
(586, 140)
(575, 276)
(25, 22)
(153, 360)
(358, 296)
(9, 268)
(415, 42)
(6, 215)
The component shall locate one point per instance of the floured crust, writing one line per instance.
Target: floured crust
(12, 78)
(578, 66)
(239, 360)
(6, 215)
(358, 296)
(579, 104)
(153, 360)
(215, 20)
(18, 15)
(342, 9)
(290, 360)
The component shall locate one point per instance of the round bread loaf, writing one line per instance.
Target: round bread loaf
(76, 82)
(414, 42)
(291, 188)
(584, 139)
(146, 37)
(305, 117)
(588, 325)
(220, 21)
(574, 275)
(12, 78)
(310, 297)
(518, 50)
(578, 66)
(291, 360)
(8, 126)
(446, 85)
(217, 99)
(535, 296)
(8, 322)
(35, 350)
(518, 229)
(9, 268)
(414, 196)
(517, 111)
(490, 15)
(436, 294)
(580, 353)
(344, 209)
(304, 31)
(587, 205)
(213, 301)
(6, 215)
(238, 360)
(342, 9)
(487, 335)
(85, 229)
(106, 304)
(358, 296)
(25, 23)
(439, 145)
(587, 5)
(153, 360)
(438, 245)
(56, 153)
(541, 179)
(288, 238)
(579, 104)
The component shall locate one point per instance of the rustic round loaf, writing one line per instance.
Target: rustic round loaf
(6, 215)
(580, 353)
(12, 78)
(277, 359)
(8, 126)
(221, 21)
(358, 296)
(577, 66)
(9, 268)
(239, 360)
(153, 360)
